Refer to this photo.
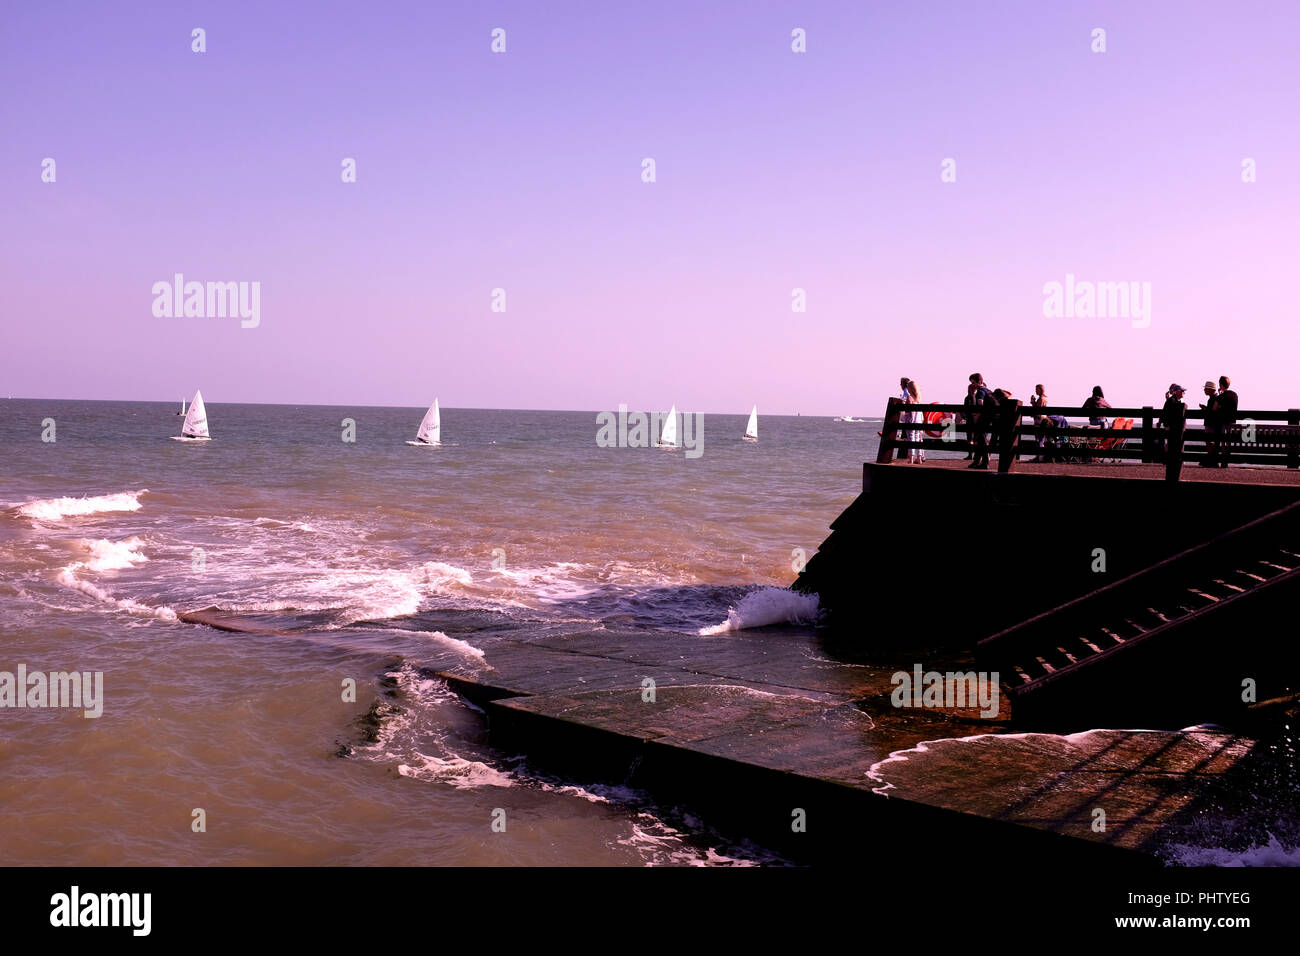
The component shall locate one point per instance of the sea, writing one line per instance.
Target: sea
(352, 556)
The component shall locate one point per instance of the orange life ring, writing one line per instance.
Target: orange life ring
(937, 418)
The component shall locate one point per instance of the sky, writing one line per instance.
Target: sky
(774, 170)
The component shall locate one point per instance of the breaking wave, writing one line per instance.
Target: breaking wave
(767, 606)
(68, 577)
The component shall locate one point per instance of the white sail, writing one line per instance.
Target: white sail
(182, 411)
(669, 435)
(430, 432)
(196, 419)
(751, 430)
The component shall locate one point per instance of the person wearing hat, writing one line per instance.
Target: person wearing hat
(1211, 406)
(1173, 409)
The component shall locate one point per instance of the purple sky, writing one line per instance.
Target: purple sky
(523, 171)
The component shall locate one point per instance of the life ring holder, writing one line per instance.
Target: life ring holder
(936, 418)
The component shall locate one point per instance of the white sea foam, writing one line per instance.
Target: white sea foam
(564, 581)
(358, 594)
(768, 606)
(1064, 742)
(438, 574)
(455, 771)
(414, 736)
(55, 509)
(277, 523)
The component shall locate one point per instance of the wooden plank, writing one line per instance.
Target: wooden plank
(887, 441)
(1007, 423)
(1293, 442)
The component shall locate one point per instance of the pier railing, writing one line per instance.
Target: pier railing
(1269, 437)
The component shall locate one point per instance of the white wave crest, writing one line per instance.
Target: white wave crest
(55, 509)
(438, 574)
(465, 647)
(110, 555)
(68, 577)
(768, 606)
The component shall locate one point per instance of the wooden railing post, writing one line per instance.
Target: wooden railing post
(1177, 423)
(1149, 449)
(1293, 438)
(1008, 431)
(887, 430)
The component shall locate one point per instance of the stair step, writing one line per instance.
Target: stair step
(1123, 628)
(1149, 619)
(1249, 578)
(1072, 654)
(1096, 645)
(1229, 586)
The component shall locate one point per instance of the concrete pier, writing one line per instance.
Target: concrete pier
(765, 737)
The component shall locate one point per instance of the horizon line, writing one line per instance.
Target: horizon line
(475, 408)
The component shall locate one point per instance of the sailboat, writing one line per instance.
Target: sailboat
(668, 437)
(195, 427)
(430, 432)
(182, 411)
(751, 430)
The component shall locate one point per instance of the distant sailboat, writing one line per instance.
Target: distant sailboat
(668, 437)
(751, 430)
(430, 432)
(195, 427)
(182, 411)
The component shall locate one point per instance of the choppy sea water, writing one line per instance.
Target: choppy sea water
(372, 559)
(369, 560)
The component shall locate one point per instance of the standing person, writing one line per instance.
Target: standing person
(915, 456)
(1211, 406)
(1227, 415)
(904, 417)
(984, 404)
(1173, 408)
(1095, 401)
(968, 418)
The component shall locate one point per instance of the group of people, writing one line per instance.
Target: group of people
(1220, 407)
(981, 401)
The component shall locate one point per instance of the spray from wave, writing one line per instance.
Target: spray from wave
(1272, 853)
(767, 606)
